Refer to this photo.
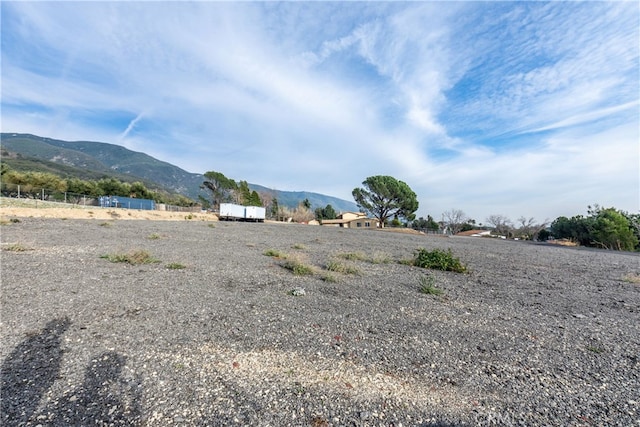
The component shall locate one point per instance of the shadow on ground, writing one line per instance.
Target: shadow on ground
(30, 370)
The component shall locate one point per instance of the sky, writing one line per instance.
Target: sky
(512, 108)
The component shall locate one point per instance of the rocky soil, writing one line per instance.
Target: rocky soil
(532, 335)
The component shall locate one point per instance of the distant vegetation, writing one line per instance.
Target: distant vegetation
(605, 228)
(94, 161)
(32, 183)
(602, 228)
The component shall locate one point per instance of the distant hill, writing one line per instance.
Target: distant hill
(95, 160)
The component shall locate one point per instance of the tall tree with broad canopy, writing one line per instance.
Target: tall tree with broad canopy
(385, 197)
(220, 187)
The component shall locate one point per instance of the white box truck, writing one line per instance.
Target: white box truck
(233, 212)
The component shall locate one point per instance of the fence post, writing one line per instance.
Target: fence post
(43, 194)
(18, 191)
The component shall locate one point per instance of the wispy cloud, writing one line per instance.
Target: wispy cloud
(480, 106)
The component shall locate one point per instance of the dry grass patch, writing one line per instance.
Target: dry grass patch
(353, 256)
(134, 258)
(298, 266)
(631, 278)
(175, 266)
(16, 247)
(342, 267)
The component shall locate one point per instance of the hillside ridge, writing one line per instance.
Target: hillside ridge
(107, 159)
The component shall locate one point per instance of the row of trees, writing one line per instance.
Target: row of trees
(603, 228)
(385, 197)
(31, 185)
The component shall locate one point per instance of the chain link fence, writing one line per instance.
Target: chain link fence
(33, 193)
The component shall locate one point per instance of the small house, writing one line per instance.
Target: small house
(356, 220)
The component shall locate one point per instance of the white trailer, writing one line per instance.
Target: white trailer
(233, 212)
(254, 213)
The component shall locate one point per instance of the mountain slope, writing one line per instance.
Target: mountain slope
(111, 159)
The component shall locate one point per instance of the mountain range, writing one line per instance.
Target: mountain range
(95, 160)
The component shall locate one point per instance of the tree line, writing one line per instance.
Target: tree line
(32, 183)
(386, 197)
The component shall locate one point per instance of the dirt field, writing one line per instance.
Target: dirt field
(35, 209)
(217, 330)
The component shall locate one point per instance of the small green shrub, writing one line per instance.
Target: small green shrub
(352, 256)
(380, 258)
(274, 253)
(427, 286)
(297, 267)
(154, 236)
(438, 259)
(133, 258)
(16, 247)
(298, 246)
(210, 225)
(105, 224)
(329, 278)
(175, 266)
(340, 267)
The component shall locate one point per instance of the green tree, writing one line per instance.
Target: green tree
(140, 191)
(329, 213)
(220, 187)
(79, 186)
(425, 224)
(254, 199)
(113, 187)
(274, 208)
(613, 231)
(243, 193)
(306, 204)
(603, 228)
(325, 213)
(385, 197)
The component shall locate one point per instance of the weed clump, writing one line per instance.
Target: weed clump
(352, 256)
(297, 267)
(175, 266)
(16, 247)
(438, 259)
(341, 267)
(427, 286)
(133, 258)
(274, 253)
(632, 278)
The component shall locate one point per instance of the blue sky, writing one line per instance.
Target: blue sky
(513, 108)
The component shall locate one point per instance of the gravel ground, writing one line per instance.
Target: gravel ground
(533, 335)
